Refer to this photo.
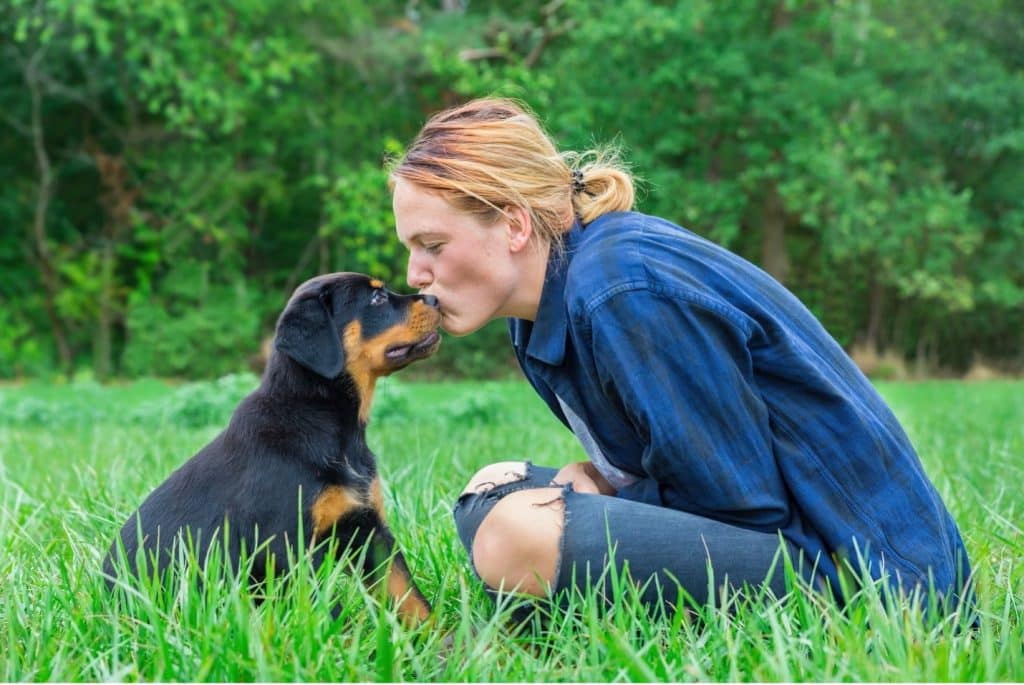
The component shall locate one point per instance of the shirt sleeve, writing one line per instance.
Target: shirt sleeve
(681, 370)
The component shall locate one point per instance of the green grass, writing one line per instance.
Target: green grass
(76, 460)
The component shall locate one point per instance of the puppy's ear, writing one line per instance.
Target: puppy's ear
(306, 333)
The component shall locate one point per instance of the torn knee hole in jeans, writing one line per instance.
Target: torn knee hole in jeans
(488, 485)
(566, 489)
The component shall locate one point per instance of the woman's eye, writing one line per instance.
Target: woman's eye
(432, 249)
(378, 298)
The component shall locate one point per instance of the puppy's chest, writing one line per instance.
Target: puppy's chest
(337, 501)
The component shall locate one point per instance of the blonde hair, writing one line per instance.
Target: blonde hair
(492, 153)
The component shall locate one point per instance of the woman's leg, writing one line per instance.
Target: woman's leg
(512, 488)
(526, 534)
(673, 548)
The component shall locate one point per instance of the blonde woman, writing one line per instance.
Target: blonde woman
(718, 415)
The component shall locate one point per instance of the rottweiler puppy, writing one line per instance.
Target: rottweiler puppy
(295, 450)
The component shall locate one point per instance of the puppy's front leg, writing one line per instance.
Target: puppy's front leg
(412, 605)
(356, 518)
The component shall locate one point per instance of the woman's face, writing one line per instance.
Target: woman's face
(471, 267)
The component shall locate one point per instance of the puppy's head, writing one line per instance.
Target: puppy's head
(350, 323)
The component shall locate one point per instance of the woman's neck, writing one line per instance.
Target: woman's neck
(533, 266)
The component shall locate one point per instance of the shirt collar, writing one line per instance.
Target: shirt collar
(545, 337)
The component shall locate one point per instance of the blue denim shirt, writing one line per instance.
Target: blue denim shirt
(707, 387)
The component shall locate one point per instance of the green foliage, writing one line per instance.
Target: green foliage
(870, 154)
(197, 405)
(188, 407)
(359, 225)
(20, 352)
(192, 326)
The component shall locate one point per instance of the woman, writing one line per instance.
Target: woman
(718, 415)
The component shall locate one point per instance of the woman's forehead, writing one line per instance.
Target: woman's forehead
(412, 201)
(420, 214)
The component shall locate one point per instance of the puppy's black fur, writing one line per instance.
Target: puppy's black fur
(297, 445)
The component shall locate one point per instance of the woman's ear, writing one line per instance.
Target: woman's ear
(520, 228)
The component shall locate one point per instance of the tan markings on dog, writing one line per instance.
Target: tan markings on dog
(357, 367)
(377, 497)
(333, 503)
(410, 606)
(424, 317)
(365, 360)
(375, 283)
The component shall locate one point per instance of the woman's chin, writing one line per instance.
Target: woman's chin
(457, 328)
(454, 331)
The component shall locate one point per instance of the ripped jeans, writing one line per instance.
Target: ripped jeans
(673, 549)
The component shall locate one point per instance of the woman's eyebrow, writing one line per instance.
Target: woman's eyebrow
(423, 236)
(410, 239)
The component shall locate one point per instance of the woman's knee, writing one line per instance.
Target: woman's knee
(495, 474)
(516, 547)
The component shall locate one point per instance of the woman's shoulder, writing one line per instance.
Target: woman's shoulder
(614, 253)
(617, 225)
(602, 256)
(629, 254)
(629, 234)
(612, 239)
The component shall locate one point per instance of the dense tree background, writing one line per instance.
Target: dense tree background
(172, 170)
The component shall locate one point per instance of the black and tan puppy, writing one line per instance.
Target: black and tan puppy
(297, 445)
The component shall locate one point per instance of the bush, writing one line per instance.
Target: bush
(21, 352)
(197, 405)
(83, 405)
(192, 328)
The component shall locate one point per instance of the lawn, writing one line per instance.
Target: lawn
(75, 460)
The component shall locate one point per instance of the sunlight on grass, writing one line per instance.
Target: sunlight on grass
(74, 464)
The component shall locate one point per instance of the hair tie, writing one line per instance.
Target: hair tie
(578, 186)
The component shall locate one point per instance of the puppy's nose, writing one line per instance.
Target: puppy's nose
(430, 301)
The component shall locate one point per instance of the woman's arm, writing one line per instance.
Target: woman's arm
(585, 478)
(681, 370)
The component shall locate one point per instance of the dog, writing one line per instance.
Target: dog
(295, 449)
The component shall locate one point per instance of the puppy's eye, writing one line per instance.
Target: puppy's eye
(378, 297)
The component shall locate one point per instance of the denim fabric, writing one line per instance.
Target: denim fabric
(663, 548)
(669, 548)
(471, 508)
(716, 392)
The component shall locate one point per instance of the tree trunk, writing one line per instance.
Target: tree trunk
(118, 199)
(47, 267)
(876, 314)
(774, 257)
(102, 348)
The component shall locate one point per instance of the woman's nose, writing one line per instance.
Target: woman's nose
(415, 275)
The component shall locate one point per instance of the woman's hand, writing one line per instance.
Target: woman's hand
(584, 478)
